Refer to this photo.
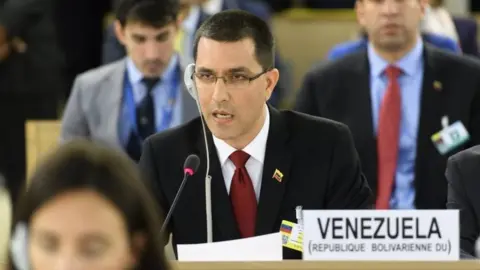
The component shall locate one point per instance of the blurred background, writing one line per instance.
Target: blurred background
(45, 44)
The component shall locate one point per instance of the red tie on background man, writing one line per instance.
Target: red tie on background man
(388, 138)
(242, 195)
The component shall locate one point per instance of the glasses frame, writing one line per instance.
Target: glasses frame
(250, 79)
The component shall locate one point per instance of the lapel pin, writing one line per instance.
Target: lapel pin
(437, 86)
(278, 175)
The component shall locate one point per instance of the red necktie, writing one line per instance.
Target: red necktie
(242, 195)
(388, 138)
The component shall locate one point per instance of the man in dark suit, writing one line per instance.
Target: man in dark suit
(393, 96)
(462, 174)
(263, 162)
(31, 81)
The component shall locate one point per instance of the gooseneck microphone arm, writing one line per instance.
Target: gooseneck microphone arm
(192, 89)
(189, 168)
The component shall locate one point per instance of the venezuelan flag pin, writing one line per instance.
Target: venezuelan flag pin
(278, 175)
(437, 86)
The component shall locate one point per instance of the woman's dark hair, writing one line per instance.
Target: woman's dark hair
(83, 165)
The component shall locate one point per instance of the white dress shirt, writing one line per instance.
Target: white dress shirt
(256, 150)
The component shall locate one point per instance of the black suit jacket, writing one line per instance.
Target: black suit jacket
(463, 171)
(339, 90)
(320, 170)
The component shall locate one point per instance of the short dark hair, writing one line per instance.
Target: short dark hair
(155, 13)
(81, 165)
(235, 25)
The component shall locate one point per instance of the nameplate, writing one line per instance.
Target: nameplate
(381, 235)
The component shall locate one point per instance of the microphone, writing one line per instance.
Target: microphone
(190, 167)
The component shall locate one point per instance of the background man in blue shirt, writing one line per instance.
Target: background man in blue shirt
(423, 85)
(122, 103)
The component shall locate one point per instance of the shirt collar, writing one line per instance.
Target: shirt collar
(410, 64)
(256, 148)
(135, 75)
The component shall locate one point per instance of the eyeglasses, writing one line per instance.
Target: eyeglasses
(230, 80)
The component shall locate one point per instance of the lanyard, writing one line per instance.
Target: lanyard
(167, 109)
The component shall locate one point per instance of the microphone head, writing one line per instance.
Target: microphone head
(191, 164)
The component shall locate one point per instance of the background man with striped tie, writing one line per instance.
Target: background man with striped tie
(122, 103)
(393, 95)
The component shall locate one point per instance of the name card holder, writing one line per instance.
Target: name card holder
(381, 235)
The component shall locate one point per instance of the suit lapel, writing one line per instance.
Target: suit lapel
(363, 123)
(360, 104)
(277, 158)
(432, 109)
(111, 100)
(223, 218)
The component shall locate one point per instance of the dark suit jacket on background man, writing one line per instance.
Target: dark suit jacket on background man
(317, 174)
(340, 90)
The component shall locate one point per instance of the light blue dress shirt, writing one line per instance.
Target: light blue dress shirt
(161, 96)
(403, 195)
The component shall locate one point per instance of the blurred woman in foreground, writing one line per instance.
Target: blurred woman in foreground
(87, 208)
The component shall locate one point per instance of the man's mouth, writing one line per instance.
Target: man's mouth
(222, 115)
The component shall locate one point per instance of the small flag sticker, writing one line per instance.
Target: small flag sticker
(277, 175)
(286, 228)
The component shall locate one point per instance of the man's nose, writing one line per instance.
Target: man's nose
(220, 92)
(151, 50)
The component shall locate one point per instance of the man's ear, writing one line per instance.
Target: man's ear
(272, 79)
(119, 31)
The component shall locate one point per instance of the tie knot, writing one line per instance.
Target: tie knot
(239, 158)
(150, 82)
(393, 72)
